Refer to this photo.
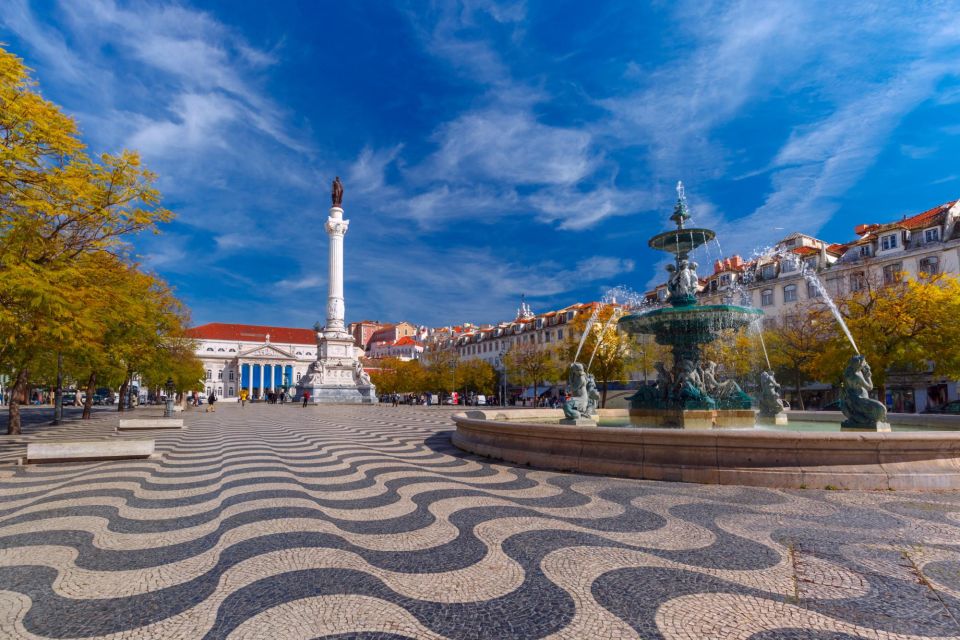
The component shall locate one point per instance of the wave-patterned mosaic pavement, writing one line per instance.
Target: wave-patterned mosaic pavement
(282, 522)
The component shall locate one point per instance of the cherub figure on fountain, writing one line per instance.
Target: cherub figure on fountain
(683, 282)
(861, 411)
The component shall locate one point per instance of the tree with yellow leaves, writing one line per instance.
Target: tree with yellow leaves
(64, 218)
(912, 324)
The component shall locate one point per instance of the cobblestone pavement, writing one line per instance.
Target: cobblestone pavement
(282, 522)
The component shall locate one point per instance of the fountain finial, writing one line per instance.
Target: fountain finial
(680, 212)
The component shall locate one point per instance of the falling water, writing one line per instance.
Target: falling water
(756, 327)
(586, 331)
(812, 278)
(603, 334)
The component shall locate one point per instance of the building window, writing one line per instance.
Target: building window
(790, 293)
(931, 235)
(559, 334)
(812, 290)
(888, 242)
(766, 298)
(210, 349)
(298, 376)
(233, 350)
(891, 273)
(857, 281)
(810, 264)
(788, 266)
(930, 265)
(769, 272)
(231, 390)
(231, 376)
(220, 374)
(864, 251)
(724, 279)
(209, 374)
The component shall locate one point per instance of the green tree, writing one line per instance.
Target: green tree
(477, 376)
(795, 344)
(530, 365)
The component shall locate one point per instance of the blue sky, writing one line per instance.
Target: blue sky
(493, 149)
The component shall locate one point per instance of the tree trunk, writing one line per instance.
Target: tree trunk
(88, 401)
(603, 397)
(535, 397)
(122, 400)
(799, 395)
(17, 393)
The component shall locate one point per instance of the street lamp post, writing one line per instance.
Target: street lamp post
(58, 394)
(168, 407)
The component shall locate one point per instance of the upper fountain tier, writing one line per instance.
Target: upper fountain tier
(681, 241)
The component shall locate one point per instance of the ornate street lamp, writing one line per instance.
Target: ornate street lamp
(171, 389)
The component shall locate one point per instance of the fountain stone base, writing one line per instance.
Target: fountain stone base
(879, 427)
(777, 419)
(694, 418)
(579, 422)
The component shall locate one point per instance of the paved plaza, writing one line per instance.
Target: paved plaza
(365, 522)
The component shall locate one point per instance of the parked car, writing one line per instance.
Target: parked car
(951, 407)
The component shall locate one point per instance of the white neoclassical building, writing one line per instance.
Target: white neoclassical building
(256, 358)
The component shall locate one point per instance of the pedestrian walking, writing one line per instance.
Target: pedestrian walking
(306, 398)
(243, 398)
(211, 400)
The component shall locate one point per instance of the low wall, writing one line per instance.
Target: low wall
(782, 459)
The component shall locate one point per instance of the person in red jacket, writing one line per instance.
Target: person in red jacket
(306, 398)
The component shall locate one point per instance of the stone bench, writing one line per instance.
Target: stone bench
(140, 424)
(91, 450)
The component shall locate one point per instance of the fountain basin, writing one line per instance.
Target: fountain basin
(681, 241)
(691, 324)
(778, 459)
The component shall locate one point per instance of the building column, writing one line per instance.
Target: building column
(336, 228)
(270, 377)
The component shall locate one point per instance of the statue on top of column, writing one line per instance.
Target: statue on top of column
(336, 193)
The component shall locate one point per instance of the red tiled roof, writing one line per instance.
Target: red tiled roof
(404, 341)
(806, 251)
(252, 333)
(837, 249)
(927, 218)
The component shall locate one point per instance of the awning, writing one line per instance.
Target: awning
(545, 390)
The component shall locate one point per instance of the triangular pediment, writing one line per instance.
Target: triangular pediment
(266, 351)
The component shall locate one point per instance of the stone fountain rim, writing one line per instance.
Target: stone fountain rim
(845, 460)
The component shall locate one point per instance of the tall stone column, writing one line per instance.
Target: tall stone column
(336, 228)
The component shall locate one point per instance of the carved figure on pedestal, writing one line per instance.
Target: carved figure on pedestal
(770, 402)
(314, 374)
(665, 381)
(336, 192)
(859, 408)
(716, 388)
(683, 281)
(576, 406)
(593, 396)
(363, 378)
(691, 387)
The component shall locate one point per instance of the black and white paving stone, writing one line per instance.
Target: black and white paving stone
(365, 522)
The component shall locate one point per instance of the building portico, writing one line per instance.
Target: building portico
(259, 359)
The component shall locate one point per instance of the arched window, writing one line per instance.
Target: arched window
(790, 293)
(233, 350)
(220, 350)
(766, 297)
(220, 374)
(209, 374)
(210, 349)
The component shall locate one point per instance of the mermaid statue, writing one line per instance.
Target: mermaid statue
(861, 411)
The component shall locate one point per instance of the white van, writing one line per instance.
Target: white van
(481, 399)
